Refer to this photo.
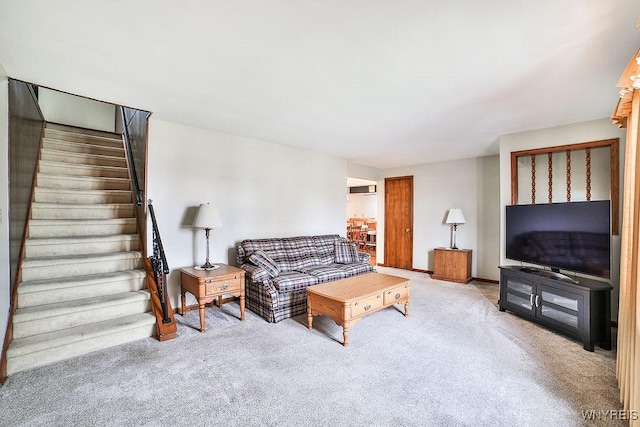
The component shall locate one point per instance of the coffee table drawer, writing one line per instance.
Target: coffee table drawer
(213, 287)
(398, 294)
(367, 304)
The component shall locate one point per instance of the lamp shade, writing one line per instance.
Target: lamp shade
(208, 216)
(455, 216)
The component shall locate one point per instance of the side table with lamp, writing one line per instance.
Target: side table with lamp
(210, 282)
(452, 264)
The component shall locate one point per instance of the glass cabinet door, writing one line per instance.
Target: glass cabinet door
(559, 306)
(519, 294)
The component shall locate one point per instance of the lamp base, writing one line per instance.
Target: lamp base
(207, 267)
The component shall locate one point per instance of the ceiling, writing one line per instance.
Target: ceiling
(378, 82)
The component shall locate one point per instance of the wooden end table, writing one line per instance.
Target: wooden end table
(210, 286)
(346, 301)
(452, 265)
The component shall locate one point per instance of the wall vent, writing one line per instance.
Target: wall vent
(362, 189)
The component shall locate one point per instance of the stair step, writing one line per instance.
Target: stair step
(48, 291)
(72, 182)
(71, 133)
(79, 265)
(48, 318)
(63, 168)
(81, 158)
(80, 227)
(80, 245)
(81, 211)
(61, 195)
(83, 147)
(82, 285)
(31, 352)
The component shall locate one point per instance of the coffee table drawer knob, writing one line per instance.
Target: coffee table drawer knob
(367, 307)
(393, 296)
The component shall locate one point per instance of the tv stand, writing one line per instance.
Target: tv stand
(581, 310)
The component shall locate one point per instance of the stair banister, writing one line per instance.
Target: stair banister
(159, 265)
(132, 166)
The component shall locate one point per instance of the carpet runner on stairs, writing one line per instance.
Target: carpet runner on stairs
(83, 285)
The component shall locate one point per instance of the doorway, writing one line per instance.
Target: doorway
(398, 222)
(362, 215)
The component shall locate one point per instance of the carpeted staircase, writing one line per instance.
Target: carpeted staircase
(83, 284)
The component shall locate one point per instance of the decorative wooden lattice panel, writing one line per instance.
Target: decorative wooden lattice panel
(573, 152)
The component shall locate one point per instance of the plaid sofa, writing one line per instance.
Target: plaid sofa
(279, 270)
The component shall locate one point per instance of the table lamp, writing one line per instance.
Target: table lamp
(208, 217)
(455, 217)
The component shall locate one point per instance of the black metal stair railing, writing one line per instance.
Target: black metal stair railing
(159, 265)
(159, 268)
(132, 167)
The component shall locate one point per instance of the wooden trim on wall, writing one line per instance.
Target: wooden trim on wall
(17, 132)
(614, 168)
(558, 148)
(514, 177)
(477, 279)
(615, 186)
(480, 279)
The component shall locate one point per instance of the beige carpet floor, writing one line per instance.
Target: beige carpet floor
(455, 361)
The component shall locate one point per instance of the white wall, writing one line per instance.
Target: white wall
(471, 185)
(66, 109)
(5, 285)
(362, 205)
(262, 190)
(355, 170)
(488, 190)
(594, 130)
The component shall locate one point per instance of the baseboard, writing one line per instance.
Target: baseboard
(480, 279)
(418, 270)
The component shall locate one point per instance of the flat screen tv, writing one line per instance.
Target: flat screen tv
(573, 236)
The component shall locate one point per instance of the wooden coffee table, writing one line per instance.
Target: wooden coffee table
(347, 301)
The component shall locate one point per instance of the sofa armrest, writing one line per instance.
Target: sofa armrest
(255, 273)
(259, 290)
(364, 257)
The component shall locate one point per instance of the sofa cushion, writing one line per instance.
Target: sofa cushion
(355, 269)
(325, 273)
(273, 248)
(261, 259)
(300, 253)
(346, 252)
(325, 247)
(289, 281)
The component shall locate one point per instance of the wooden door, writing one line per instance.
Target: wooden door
(398, 222)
